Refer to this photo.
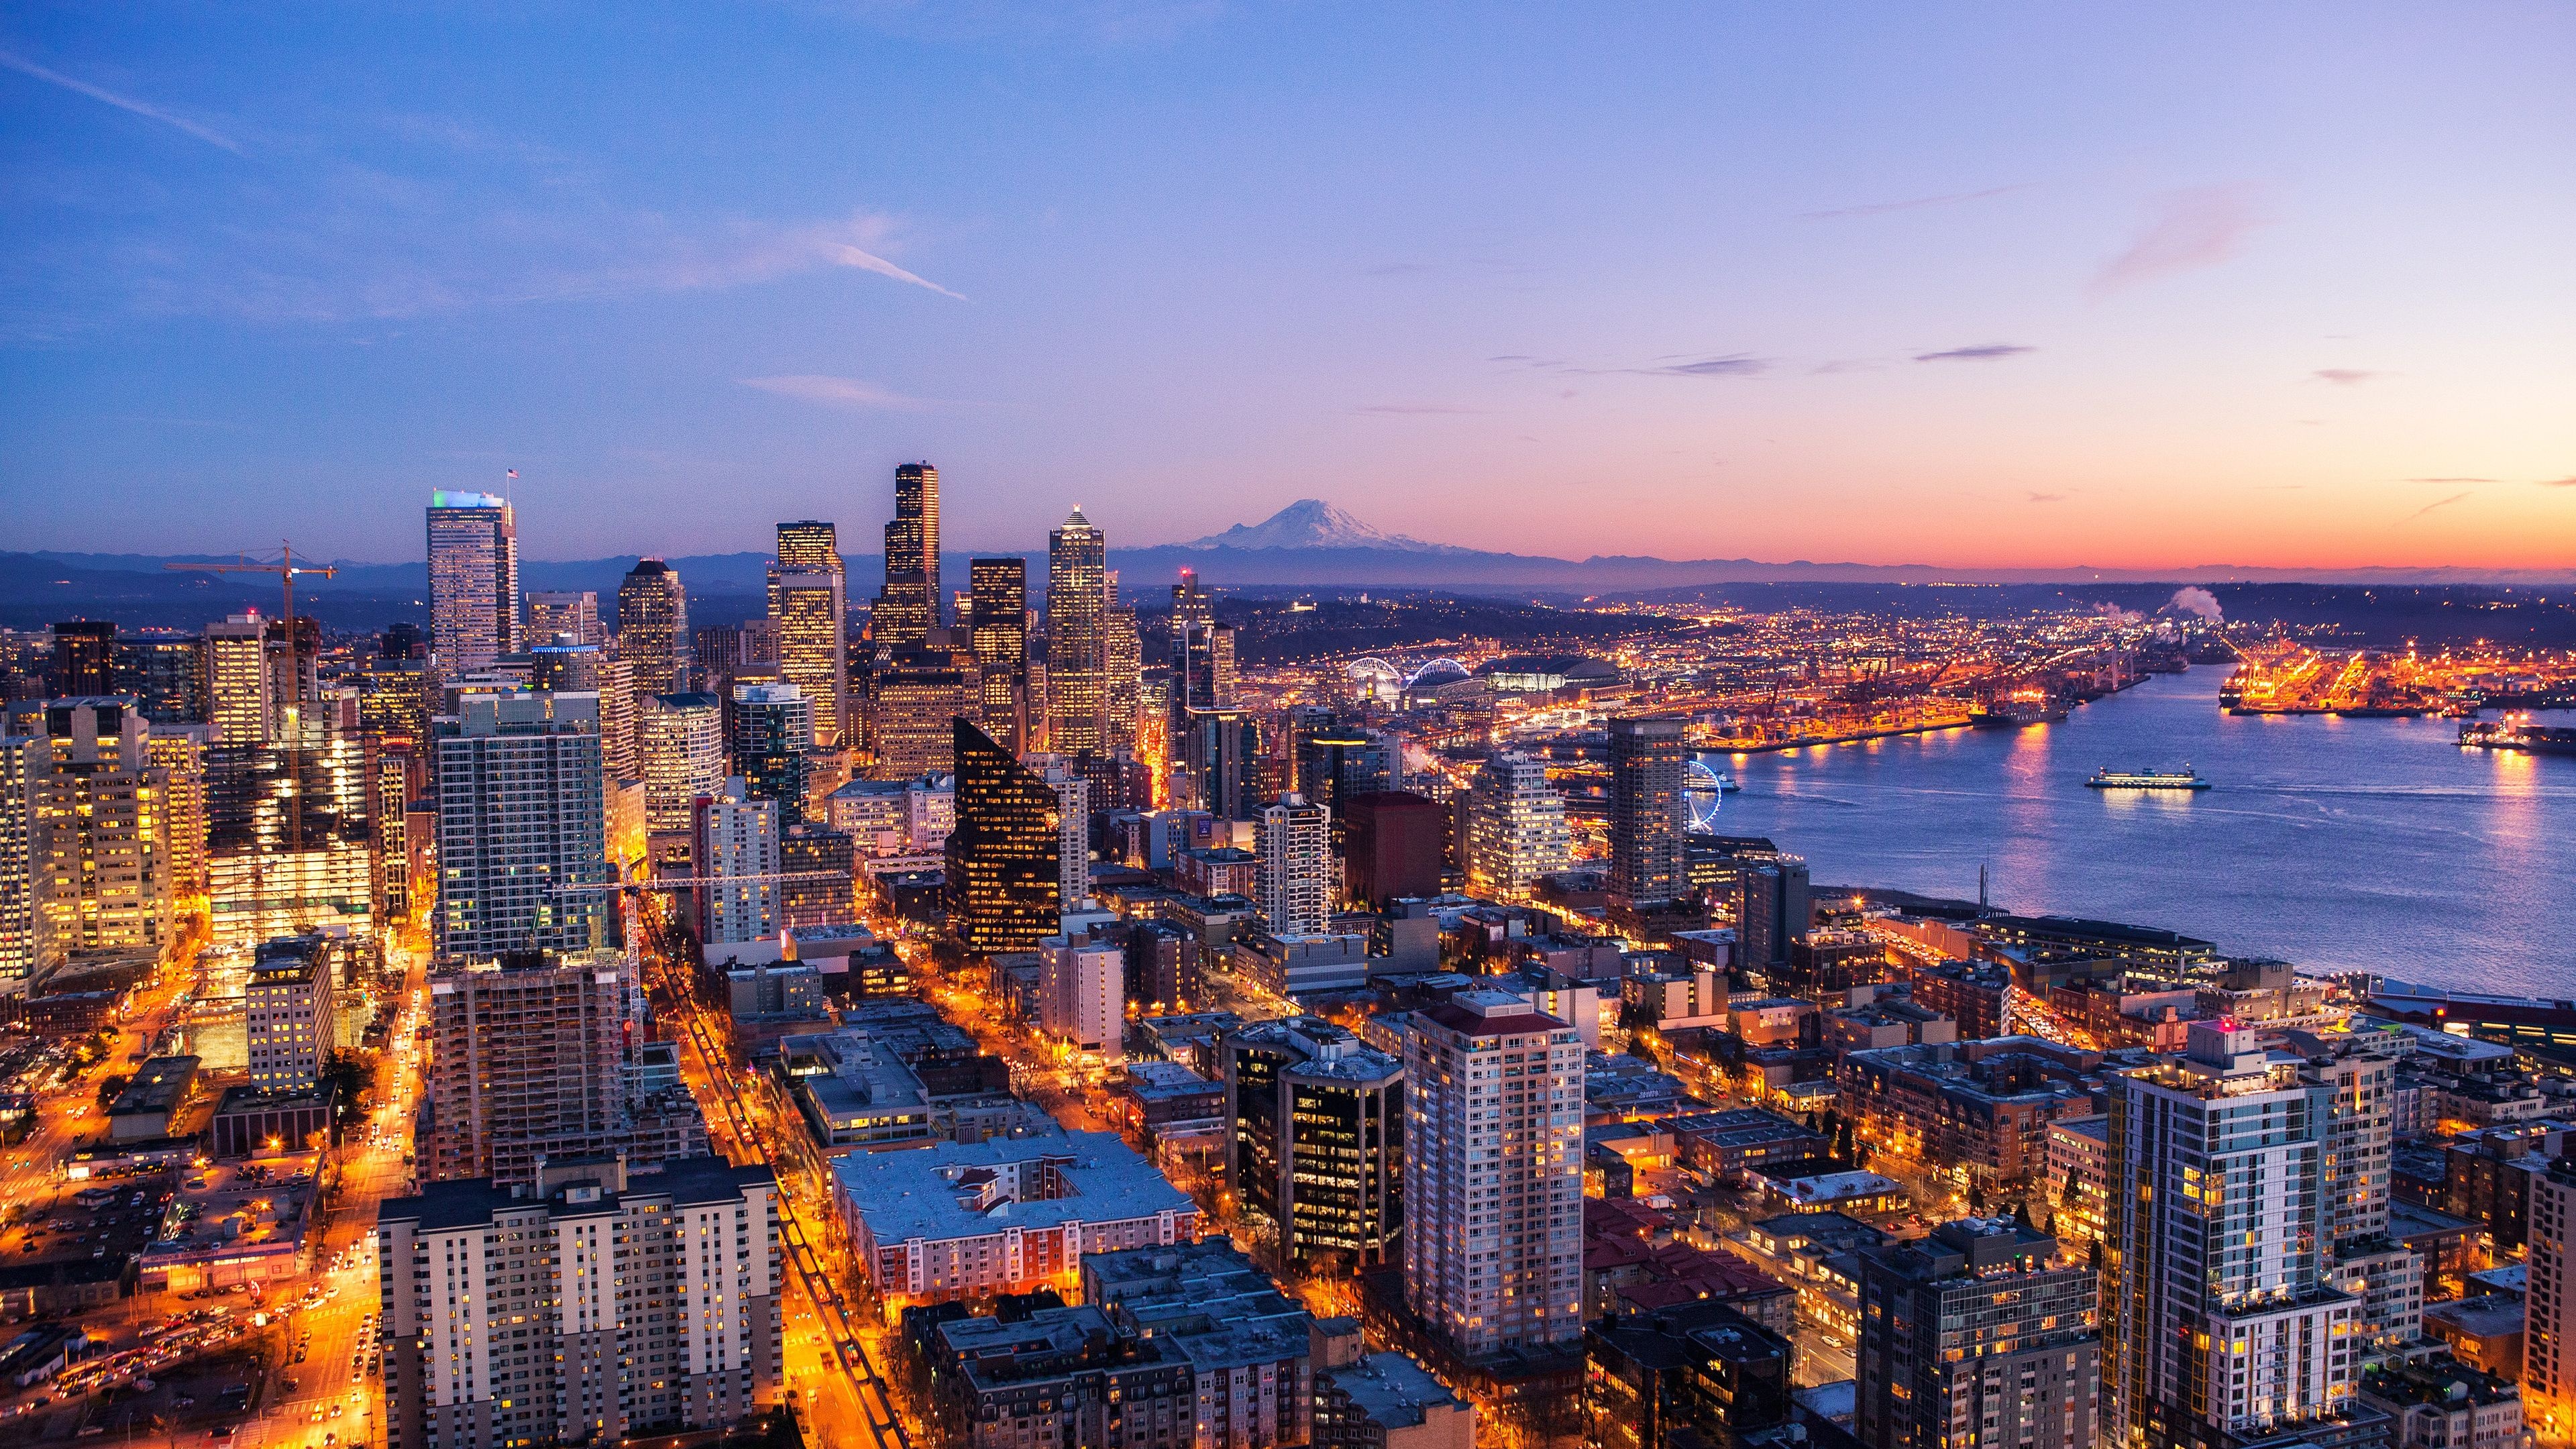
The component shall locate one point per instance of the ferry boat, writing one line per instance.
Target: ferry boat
(2018, 710)
(1726, 783)
(2518, 733)
(2185, 778)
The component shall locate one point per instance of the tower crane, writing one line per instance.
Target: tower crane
(286, 569)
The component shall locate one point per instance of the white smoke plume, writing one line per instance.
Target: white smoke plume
(2116, 614)
(2197, 601)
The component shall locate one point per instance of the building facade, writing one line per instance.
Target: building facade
(522, 826)
(1647, 815)
(653, 627)
(473, 581)
(1004, 885)
(597, 1307)
(1976, 1337)
(1316, 1140)
(1493, 1174)
(1077, 642)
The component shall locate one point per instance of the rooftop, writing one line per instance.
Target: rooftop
(1393, 1390)
(1088, 1177)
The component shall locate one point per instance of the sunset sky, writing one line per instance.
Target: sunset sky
(2028, 285)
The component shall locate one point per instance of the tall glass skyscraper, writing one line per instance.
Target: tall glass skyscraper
(653, 627)
(473, 581)
(910, 607)
(1005, 889)
(998, 631)
(1077, 636)
(771, 728)
(522, 826)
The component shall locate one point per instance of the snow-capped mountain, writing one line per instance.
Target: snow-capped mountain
(1314, 523)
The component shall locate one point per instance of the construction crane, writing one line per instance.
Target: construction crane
(672, 883)
(286, 569)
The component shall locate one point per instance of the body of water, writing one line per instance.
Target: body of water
(2336, 844)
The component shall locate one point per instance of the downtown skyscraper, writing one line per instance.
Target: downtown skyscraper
(911, 605)
(653, 627)
(998, 634)
(808, 599)
(1077, 636)
(1005, 883)
(473, 581)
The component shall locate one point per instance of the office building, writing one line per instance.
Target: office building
(1516, 830)
(395, 767)
(473, 581)
(1771, 913)
(237, 684)
(570, 616)
(1073, 826)
(1316, 1140)
(734, 846)
(1337, 761)
(1647, 758)
(1493, 1174)
(911, 605)
(2549, 1306)
(1054, 1375)
(288, 845)
(772, 733)
(590, 669)
(1292, 847)
(522, 826)
(1122, 673)
(813, 649)
(84, 659)
(165, 671)
(1221, 751)
(100, 838)
(1077, 640)
(534, 1056)
(653, 627)
(998, 633)
(1391, 847)
(287, 1015)
(1976, 1337)
(818, 873)
(681, 740)
(1004, 885)
(603, 1303)
(2220, 1325)
(1082, 1001)
(913, 704)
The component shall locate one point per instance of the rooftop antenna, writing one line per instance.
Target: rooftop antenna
(1981, 886)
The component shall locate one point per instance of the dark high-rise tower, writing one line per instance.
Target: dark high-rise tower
(84, 658)
(1005, 888)
(910, 607)
(998, 630)
(653, 627)
(1647, 758)
(1077, 636)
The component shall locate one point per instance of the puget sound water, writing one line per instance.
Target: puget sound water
(2335, 844)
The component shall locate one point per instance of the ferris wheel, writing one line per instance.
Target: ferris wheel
(1702, 789)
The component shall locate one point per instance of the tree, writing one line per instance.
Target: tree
(1976, 1199)
(110, 1086)
(2021, 1215)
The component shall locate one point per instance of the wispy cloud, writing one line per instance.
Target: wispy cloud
(845, 255)
(1095, 22)
(207, 134)
(1414, 409)
(2452, 480)
(1981, 352)
(2342, 376)
(2557, 482)
(839, 392)
(1735, 365)
(2184, 232)
(2429, 507)
(2049, 497)
(1882, 208)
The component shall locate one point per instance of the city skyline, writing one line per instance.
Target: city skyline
(1974, 292)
